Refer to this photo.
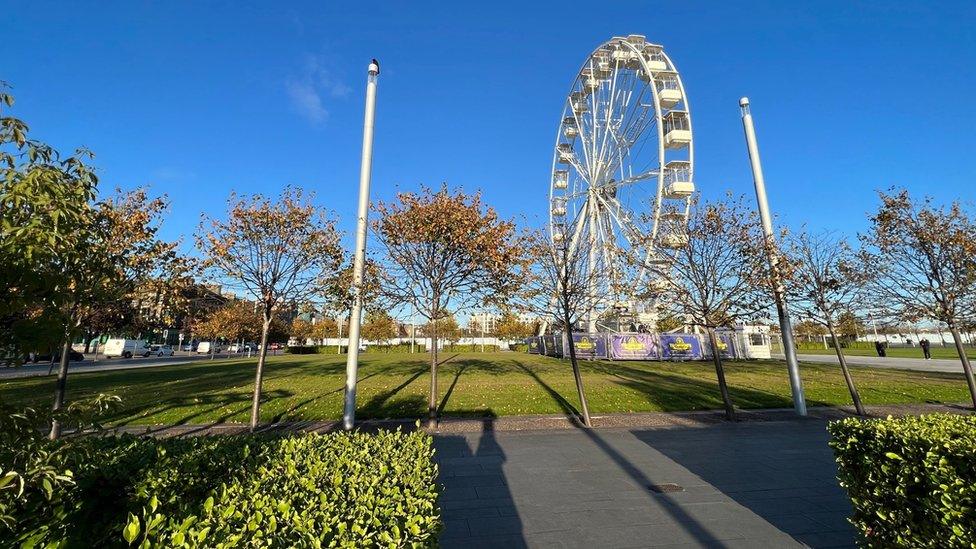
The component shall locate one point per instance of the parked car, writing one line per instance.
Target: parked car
(126, 348)
(206, 347)
(162, 350)
(189, 347)
(73, 356)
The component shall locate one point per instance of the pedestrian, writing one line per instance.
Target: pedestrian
(924, 343)
(879, 346)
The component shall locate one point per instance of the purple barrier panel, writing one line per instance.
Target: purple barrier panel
(559, 344)
(634, 346)
(590, 345)
(549, 345)
(726, 344)
(533, 343)
(680, 347)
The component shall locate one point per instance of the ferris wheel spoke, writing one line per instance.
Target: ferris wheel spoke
(639, 178)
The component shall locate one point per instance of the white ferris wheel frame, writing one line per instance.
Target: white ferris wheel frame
(604, 213)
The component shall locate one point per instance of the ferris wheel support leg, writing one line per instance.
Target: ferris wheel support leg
(590, 272)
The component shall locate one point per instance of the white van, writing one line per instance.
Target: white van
(125, 348)
(205, 347)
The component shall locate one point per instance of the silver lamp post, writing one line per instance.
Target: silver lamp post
(355, 317)
(785, 326)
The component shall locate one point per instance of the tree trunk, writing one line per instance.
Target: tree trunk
(259, 376)
(432, 403)
(966, 366)
(720, 373)
(59, 389)
(847, 373)
(584, 407)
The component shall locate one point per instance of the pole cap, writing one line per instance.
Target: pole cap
(744, 102)
(374, 67)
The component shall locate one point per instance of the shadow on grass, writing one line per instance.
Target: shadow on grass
(677, 391)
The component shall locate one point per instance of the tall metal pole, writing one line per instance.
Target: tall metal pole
(413, 328)
(785, 326)
(355, 317)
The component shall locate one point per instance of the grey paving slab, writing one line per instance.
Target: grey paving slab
(763, 484)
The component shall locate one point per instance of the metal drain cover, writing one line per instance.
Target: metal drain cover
(666, 488)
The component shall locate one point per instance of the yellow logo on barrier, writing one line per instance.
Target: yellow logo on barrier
(633, 344)
(722, 345)
(679, 345)
(585, 344)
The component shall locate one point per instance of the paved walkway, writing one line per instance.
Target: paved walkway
(897, 363)
(752, 484)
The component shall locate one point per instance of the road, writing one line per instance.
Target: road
(896, 363)
(104, 365)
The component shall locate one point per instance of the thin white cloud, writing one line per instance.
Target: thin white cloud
(310, 88)
(306, 101)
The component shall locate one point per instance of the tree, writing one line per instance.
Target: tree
(669, 322)
(301, 330)
(849, 326)
(925, 259)
(444, 327)
(379, 327)
(826, 281)
(809, 329)
(325, 328)
(559, 289)
(716, 280)
(511, 327)
(277, 251)
(444, 250)
(46, 209)
(117, 252)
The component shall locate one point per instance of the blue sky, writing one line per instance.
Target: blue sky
(199, 99)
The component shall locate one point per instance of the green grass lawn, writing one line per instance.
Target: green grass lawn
(309, 387)
(901, 352)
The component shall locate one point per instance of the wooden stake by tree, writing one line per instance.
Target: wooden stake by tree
(825, 282)
(925, 260)
(445, 250)
(277, 251)
(716, 280)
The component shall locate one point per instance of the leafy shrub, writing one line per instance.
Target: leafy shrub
(297, 490)
(313, 349)
(519, 347)
(36, 476)
(912, 480)
(468, 348)
(302, 349)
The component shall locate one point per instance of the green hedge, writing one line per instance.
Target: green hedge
(306, 490)
(912, 480)
(519, 347)
(468, 348)
(314, 349)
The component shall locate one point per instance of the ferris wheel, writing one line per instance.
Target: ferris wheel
(622, 170)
